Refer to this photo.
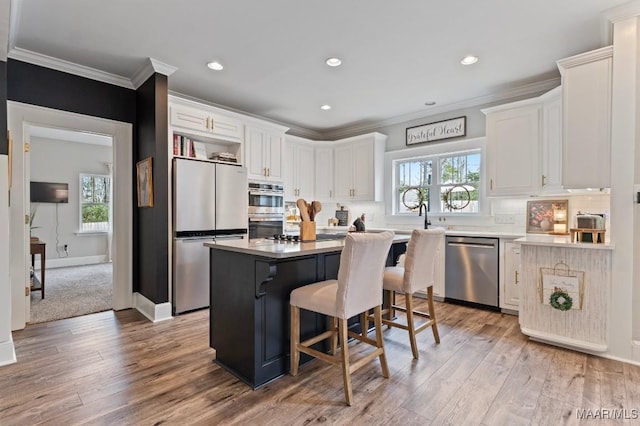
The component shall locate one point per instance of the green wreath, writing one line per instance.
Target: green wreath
(565, 305)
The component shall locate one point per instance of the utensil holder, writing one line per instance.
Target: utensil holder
(307, 231)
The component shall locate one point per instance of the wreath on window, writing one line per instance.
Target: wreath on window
(457, 197)
(560, 300)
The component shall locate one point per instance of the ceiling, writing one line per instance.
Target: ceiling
(396, 55)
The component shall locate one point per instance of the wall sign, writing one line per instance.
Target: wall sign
(445, 129)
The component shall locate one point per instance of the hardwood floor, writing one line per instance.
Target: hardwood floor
(120, 369)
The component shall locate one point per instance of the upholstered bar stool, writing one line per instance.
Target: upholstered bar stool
(417, 273)
(357, 289)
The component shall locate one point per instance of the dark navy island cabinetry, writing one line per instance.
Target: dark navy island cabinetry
(250, 286)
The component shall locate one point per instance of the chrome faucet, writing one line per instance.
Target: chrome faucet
(427, 222)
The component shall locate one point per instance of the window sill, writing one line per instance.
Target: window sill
(90, 233)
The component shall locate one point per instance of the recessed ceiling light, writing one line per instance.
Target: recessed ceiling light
(215, 65)
(469, 60)
(325, 107)
(430, 103)
(333, 62)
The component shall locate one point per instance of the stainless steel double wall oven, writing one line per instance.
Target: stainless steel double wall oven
(266, 209)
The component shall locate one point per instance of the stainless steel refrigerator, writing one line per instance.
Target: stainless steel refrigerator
(209, 202)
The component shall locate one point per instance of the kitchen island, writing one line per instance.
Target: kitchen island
(250, 284)
(565, 296)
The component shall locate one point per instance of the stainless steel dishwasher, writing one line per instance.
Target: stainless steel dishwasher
(472, 270)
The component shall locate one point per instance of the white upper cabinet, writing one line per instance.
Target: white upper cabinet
(552, 140)
(263, 153)
(586, 83)
(324, 172)
(524, 146)
(206, 123)
(358, 167)
(513, 148)
(298, 169)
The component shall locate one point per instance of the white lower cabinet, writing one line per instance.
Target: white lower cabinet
(510, 282)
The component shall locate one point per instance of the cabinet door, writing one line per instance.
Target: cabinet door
(324, 173)
(510, 299)
(363, 169)
(226, 128)
(289, 171)
(254, 155)
(273, 151)
(343, 163)
(552, 144)
(189, 118)
(513, 144)
(587, 125)
(305, 171)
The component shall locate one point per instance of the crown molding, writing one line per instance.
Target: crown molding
(151, 67)
(617, 14)
(14, 23)
(528, 89)
(69, 67)
(585, 58)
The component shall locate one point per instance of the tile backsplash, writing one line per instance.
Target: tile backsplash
(503, 214)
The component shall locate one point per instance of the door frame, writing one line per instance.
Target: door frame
(19, 119)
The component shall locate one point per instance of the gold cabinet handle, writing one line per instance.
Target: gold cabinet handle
(517, 281)
(491, 184)
(544, 178)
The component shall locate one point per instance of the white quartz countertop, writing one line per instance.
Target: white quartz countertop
(281, 249)
(562, 241)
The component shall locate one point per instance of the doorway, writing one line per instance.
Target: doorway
(71, 221)
(22, 119)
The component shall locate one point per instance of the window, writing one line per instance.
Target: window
(95, 197)
(446, 183)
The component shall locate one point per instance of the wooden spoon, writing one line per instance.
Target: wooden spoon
(304, 213)
(316, 206)
(312, 212)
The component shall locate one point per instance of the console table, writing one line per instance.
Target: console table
(38, 247)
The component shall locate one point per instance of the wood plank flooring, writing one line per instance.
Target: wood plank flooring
(117, 368)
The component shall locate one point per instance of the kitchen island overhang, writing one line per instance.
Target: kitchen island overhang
(251, 281)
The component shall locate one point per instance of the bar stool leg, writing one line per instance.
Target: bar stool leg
(408, 300)
(377, 316)
(346, 376)
(333, 323)
(295, 339)
(432, 315)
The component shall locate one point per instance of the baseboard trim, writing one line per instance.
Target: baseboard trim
(154, 312)
(7, 353)
(72, 261)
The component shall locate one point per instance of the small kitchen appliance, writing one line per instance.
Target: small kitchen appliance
(588, 226)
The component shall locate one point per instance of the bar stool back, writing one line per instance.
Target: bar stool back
(418, 273)
(357, 289)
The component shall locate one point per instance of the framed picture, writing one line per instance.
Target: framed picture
(547, 216)
(145, 183)
(439, 130)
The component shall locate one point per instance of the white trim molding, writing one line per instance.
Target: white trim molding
(148, 69)
(153, 312)
(69, 67)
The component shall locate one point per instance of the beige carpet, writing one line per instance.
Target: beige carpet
(73, 291)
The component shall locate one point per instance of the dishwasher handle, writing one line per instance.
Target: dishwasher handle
(469, 244)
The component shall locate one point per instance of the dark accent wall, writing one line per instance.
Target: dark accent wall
(151, 246)
(4, 145)
(36, 85)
